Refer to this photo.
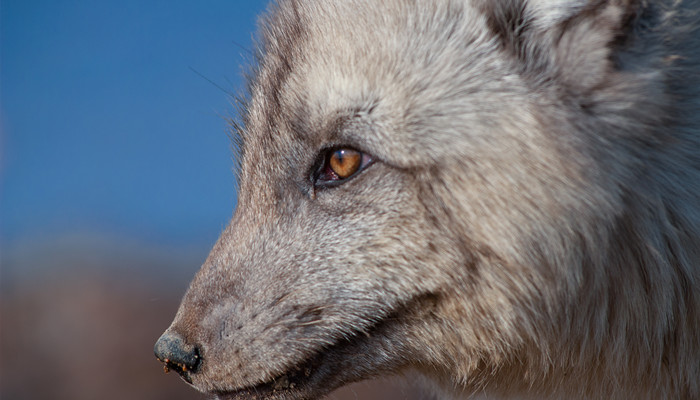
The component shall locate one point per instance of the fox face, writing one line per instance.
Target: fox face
(442, 187)
(316, 280)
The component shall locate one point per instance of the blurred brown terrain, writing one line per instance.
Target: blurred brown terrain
(79, 317)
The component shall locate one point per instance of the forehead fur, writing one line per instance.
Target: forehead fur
(318, 71)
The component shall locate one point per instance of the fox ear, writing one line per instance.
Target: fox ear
(580, 37)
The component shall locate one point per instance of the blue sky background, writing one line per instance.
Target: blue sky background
(106, 126)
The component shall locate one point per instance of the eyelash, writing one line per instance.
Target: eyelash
(326, 176)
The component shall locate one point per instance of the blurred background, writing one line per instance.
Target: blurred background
(115, 181)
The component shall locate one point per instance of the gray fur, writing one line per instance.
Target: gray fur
(530, 227)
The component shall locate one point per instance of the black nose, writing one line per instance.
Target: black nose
(172, 350)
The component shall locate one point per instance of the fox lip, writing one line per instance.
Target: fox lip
(298, 382)
(320, 373)
(287, 386)
(305, 379)
(335, 365)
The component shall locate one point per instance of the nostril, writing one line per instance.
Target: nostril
(178, 355)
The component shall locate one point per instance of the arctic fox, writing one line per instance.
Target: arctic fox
(503, 196)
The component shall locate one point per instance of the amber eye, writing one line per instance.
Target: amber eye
(345, 162)
(340, 164)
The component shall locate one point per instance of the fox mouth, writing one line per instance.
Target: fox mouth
(298, 383)
(313, 378)
(349, 360)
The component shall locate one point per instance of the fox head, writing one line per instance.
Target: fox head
(422, 185)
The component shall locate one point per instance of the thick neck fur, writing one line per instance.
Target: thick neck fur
(623, 332)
